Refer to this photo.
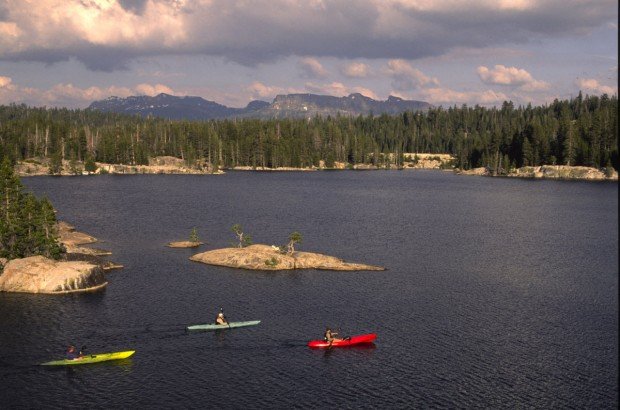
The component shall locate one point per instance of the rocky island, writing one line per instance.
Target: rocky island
(265, 257)
(81, 270)
(38, 274)
(184, 244)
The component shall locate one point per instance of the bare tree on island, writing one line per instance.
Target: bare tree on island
(293, 238)
(244, 240)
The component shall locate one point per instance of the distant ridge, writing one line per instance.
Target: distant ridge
(283, 106)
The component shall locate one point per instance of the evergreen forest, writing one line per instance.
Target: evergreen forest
(579, 131)
(27, 224)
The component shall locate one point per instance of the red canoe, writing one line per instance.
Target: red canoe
(353, 340)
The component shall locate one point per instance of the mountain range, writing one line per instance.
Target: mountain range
(283, 106)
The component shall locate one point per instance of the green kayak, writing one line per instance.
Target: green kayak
(230, 325)
(91, 358)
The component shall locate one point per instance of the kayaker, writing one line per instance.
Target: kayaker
(72, 354)
(329, 336)
(221, 319)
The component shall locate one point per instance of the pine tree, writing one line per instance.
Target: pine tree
(27, 225)
(193, 235)
(89, 165)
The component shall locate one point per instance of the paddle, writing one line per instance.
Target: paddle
(334, 339)
(344, 338)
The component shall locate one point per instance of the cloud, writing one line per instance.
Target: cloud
(338, 89)
(447, 96)
(592, 86)
(149, 89)
(355, 70)
(511, 76)
(260, 91)
(311, 68)
(406, 77)
(69, 95)
(5, 82)
(108, 34)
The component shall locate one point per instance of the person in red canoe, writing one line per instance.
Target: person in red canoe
(221, 319)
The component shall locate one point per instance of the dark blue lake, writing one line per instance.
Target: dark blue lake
(499, 293)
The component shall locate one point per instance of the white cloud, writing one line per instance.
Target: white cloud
(338, 89)
(5, 82)
(406, 77)
(356, 70)
(312, 68)
(447, 96)
(260, 91)
(511, 76)
(335, 88)
(69, 95)
(592, 86)
(153, 89)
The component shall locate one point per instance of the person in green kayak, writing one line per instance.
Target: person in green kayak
(221, 319)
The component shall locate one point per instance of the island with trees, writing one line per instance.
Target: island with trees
(244, 255)
(37, 253)
(192, 242)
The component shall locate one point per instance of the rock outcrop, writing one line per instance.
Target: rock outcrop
(157, 165)
(550, 172)
(37, 274)
(474, 171)
(563, 172)
(265, 257)
(71, 238)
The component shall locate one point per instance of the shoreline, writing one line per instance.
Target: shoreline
(176, 166)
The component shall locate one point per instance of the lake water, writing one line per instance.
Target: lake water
(499, 293)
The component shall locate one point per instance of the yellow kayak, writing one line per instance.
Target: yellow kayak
(91, 358)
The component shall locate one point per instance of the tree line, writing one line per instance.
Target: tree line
(578, 131)
(27, 224)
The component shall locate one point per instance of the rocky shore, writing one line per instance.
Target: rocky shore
(81, 270)
(38, 274)
(550, 172)
(157, 165)
(412, 161)
(265, 257)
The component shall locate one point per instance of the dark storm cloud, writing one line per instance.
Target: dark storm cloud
(251, 33)
(135, 6)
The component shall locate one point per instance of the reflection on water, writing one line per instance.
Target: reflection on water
(358, 350)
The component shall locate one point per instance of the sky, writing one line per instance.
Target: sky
(68, 53)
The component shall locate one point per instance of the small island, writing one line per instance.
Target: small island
(184, 244)
(266, 257)
(192, 242)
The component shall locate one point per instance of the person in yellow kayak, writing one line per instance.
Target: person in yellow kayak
(73, 354)
(221, 319)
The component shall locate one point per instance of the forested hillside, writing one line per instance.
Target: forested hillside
(582, 131)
